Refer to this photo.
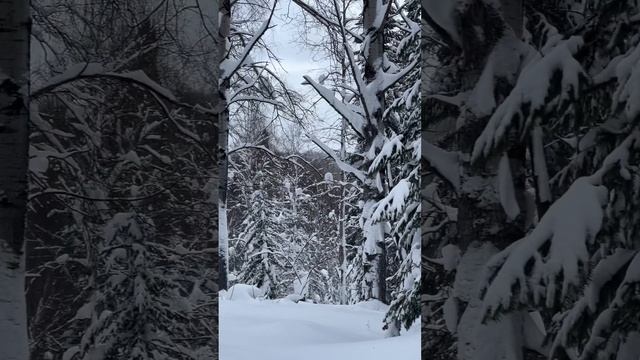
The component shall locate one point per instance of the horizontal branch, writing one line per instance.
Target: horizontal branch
(89, 198)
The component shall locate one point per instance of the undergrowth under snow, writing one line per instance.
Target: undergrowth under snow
(252, 328)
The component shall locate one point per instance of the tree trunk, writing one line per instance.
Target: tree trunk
(342, 223)
(14, 118)
(223, 168)
(223, 141)
(374, 256)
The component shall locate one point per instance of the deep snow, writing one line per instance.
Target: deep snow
(284, 330)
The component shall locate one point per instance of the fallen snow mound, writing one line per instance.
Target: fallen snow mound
(242, 292)
(373, 304)
(291, 298)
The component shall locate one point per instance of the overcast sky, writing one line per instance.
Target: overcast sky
(296, 59)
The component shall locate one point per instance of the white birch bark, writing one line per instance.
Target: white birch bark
(14, 81)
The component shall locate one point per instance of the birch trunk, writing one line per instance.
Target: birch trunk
(342, 222)
(223, 141)
(14, 81)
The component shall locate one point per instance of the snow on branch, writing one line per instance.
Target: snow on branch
(293, 158)
(456, 100)
(73, 72)
(228, 67)
(253, 98)
(106, 199)
(528, 270)
(341, 164)
(354, 119)
(389, 80)
(444, 162)
(619, 157)
(530, 96)
(369, 100)
(605, 323)
(603, 277)
(93, 70)
(394, 203)
(626, 69)
(390, 147)
(557, 246)
(506, 189)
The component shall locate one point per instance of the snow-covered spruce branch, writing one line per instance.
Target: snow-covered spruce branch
(625, 69)
(387, 81)
(412, 26)
(558, 244)
(389, 149)
(456, 100)
(444, 162)
(341, 164)
(394, 204)
(529, 97)
(283, 256)
(609, 311)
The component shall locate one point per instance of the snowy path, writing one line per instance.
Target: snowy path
(272, 330)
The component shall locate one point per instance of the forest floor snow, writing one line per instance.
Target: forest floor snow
(285, 330)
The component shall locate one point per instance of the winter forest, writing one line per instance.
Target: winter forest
(320, 218)
(319, 179)
(161, 158)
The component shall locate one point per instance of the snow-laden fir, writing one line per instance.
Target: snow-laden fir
(531, 118)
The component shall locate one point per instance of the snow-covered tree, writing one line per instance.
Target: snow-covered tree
(140, 308)
(532, 120)
(402, 206)
(96, 153)
(379, 102)
(263, 241)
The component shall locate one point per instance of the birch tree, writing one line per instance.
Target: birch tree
(14, 99)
